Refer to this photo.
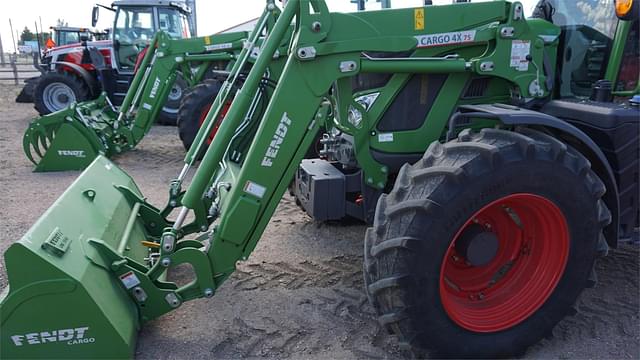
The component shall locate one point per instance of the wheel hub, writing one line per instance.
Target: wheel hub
(57, 96)
(63, 98)
(175, 93)
(478, 245)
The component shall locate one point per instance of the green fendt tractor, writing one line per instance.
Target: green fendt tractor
(70, 139)
(497, 157)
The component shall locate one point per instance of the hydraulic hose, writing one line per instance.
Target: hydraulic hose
(239, 108)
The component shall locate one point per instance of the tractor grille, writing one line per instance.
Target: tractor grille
(476, 88)
(411, 106)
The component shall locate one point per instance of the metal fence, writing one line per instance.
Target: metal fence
(19, 68)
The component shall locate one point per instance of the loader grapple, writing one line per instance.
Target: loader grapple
(64, 140)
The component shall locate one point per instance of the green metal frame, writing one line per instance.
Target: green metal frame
(71, 138)
(128, 245)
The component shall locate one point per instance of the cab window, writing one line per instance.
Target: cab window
(65, 37)
(173, 23)
(133, 32)
(134, 24)
(588, 28)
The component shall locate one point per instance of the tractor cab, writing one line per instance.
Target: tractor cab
(591, 30)
(65, 35)
(136, 21)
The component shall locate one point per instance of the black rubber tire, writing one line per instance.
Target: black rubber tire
(78, 86)
(194, 102)
(26, 94)
(415, 223)
(169, 113)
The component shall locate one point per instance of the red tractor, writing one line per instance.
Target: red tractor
(81, 71)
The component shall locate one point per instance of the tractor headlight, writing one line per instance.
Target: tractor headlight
(367, 100)
(354, 117)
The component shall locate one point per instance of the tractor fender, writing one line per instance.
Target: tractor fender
(516, 116)
(86, 76)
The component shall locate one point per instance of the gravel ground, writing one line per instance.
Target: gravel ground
(300, 294)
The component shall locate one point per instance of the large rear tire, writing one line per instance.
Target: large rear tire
(57, 90)
(194, 109)
(484, 245)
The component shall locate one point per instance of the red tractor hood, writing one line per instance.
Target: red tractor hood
(70, 47)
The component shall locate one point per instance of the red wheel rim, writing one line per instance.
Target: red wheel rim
(533, 247)
(216, 126)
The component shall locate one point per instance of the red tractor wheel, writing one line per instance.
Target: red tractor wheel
(485, 244)
(504, 263)
(194, 109)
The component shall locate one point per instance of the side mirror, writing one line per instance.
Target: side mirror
(95, 13)
(627, 10)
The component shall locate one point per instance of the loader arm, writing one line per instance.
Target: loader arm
(71, 138)
(162, 65)
(243, 195)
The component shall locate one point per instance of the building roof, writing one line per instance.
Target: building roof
(245, 26)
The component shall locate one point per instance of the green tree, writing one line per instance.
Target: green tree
(27, 35)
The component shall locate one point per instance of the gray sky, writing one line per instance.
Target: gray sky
(213, 15)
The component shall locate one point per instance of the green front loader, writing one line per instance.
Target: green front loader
(70, 139)
(493, 167)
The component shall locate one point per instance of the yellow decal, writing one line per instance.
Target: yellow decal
(419, 19)
(207, 40)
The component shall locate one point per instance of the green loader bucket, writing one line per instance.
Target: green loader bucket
(72, 138)
(63, 300)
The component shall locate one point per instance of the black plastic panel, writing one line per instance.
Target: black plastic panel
(615, 128)
(411, 106)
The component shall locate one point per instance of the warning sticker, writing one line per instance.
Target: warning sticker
(419, 19)
(443, 39)
(129, 280)
(215, 47)
(520, 49)
(254, 189)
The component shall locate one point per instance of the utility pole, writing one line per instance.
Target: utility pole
(15, 47)
(38, 38)
(41, 30)
(1, 53)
